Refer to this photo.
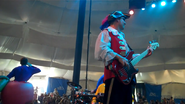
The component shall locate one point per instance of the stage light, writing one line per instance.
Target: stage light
(163, 3)
(153, 5)
(131, 12)
(174, 1)
(143, 9)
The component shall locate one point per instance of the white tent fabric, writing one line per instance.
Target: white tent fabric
(44, 31)
(176, 90)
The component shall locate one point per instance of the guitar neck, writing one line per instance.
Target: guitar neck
(139, 58)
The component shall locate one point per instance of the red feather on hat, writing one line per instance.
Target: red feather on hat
(105, 19)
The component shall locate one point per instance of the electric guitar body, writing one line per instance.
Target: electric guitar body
(125, 74)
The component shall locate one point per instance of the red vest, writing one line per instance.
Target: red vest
(118, 46)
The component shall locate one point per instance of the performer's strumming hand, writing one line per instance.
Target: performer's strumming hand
(122, 60)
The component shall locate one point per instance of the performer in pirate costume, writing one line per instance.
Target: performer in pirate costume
(111, 45)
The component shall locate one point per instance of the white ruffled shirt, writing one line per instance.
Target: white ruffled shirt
(103, 51)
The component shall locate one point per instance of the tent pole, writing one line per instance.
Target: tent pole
(89, 32)
(79, 41)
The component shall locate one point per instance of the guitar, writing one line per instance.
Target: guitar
(124, 73)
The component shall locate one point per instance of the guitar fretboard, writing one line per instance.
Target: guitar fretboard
(138, 58)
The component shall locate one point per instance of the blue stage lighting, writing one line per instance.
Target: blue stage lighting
(163, 3)
(143, 9)
(153, 5)
(174, 1)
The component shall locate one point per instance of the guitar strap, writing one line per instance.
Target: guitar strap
(129, 46)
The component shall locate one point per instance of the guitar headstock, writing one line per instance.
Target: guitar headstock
(154, 44)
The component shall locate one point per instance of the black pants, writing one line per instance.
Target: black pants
(118, 92)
